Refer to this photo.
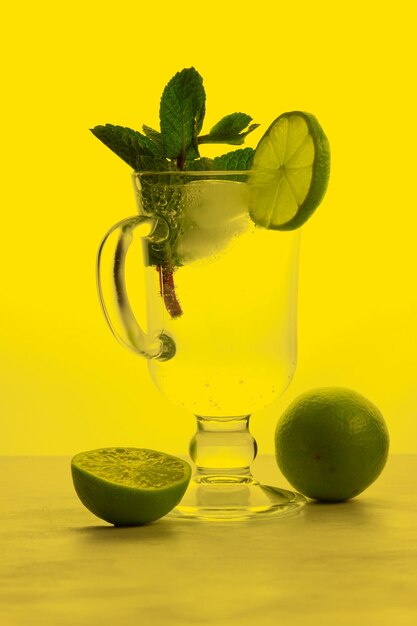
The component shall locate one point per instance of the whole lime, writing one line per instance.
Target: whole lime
(331, 443)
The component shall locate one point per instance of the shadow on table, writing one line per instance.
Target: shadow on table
(360, 511)
(156, 531)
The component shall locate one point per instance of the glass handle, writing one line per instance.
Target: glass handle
(111, 263)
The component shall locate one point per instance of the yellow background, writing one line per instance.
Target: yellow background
(66, 384)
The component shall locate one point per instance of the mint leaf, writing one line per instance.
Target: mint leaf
(229, 130)
(181, 114)
(128, 144)
(231, 124)
(154, 164)
(155, 136)
(236, 160)
(198, 165)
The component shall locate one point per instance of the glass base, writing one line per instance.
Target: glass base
(235, 498)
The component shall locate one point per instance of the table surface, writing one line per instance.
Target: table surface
(349, 563)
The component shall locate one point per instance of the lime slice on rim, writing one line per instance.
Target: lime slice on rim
(129, 486)
(293, 157)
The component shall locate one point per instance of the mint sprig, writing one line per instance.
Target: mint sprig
(174, 148)
(177, 145)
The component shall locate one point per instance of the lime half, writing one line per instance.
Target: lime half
(129, 486)
(293, 157)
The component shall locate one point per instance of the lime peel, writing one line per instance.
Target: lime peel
(331, 443)
(296, 148)
(129, 486)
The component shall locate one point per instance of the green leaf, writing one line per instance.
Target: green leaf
(236, 160)
(155, 136)
(229, 130)
(198, 165)
(128, 144)
(233, 123)
(154, 164)
(181, 114)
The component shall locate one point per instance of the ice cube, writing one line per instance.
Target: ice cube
(212, 214)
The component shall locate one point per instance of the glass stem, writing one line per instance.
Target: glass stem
(223, 448)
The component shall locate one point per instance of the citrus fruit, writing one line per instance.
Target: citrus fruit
(129, 486)
(293, 157)
(331, 443)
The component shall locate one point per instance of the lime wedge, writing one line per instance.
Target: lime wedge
(293, 158)
(129, 486)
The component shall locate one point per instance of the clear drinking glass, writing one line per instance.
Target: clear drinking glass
(221, 336)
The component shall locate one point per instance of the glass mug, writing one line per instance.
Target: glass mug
(221, 337)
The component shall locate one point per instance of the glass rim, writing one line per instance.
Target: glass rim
(203, 172)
